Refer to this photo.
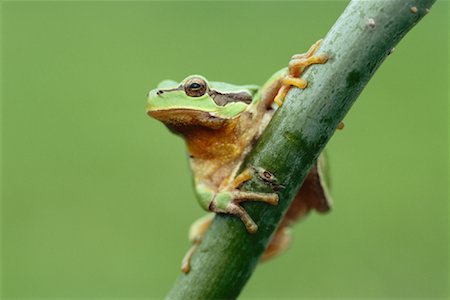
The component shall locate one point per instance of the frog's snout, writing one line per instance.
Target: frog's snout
(154, 93)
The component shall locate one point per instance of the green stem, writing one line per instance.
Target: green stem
(357, 44)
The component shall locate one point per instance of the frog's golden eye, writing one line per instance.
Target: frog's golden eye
(195, 87)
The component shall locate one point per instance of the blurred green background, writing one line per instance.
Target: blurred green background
(97, 197)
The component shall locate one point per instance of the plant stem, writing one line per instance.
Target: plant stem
(357, 44)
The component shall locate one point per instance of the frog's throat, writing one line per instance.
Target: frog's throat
(207, 137)
(180, 119)
(220, 144)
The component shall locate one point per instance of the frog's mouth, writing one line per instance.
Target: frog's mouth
(183, 117)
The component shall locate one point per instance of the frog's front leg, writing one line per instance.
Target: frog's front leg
(228, 200)
(296, 67)
(229, 203)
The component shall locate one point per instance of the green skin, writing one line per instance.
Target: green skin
(178, 98)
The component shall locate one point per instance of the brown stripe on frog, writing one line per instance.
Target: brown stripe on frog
(223, 99)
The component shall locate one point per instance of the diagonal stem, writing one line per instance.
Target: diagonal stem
(357, 44)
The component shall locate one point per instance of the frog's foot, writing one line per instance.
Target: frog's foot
(229, 200)
(229, 203)
(196, 233)
(186, 262)
(298, 64)
(286, 83)
(313, 49)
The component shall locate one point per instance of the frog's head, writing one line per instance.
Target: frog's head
(195, 101)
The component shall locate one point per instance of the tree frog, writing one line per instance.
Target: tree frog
(220, 123)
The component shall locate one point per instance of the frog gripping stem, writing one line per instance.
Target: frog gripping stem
(234, 208)
(297, 66)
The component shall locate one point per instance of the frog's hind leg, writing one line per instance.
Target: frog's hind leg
(313, 195)
(280, 242)
(298, 64)
(196, 233)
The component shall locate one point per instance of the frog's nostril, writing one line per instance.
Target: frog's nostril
(159, 92)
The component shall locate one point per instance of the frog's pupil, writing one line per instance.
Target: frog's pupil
(195, 85)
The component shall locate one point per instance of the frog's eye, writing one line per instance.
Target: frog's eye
(195, 87)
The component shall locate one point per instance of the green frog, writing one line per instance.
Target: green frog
(221, 123)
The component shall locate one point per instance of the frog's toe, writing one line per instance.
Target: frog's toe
(237, 210)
